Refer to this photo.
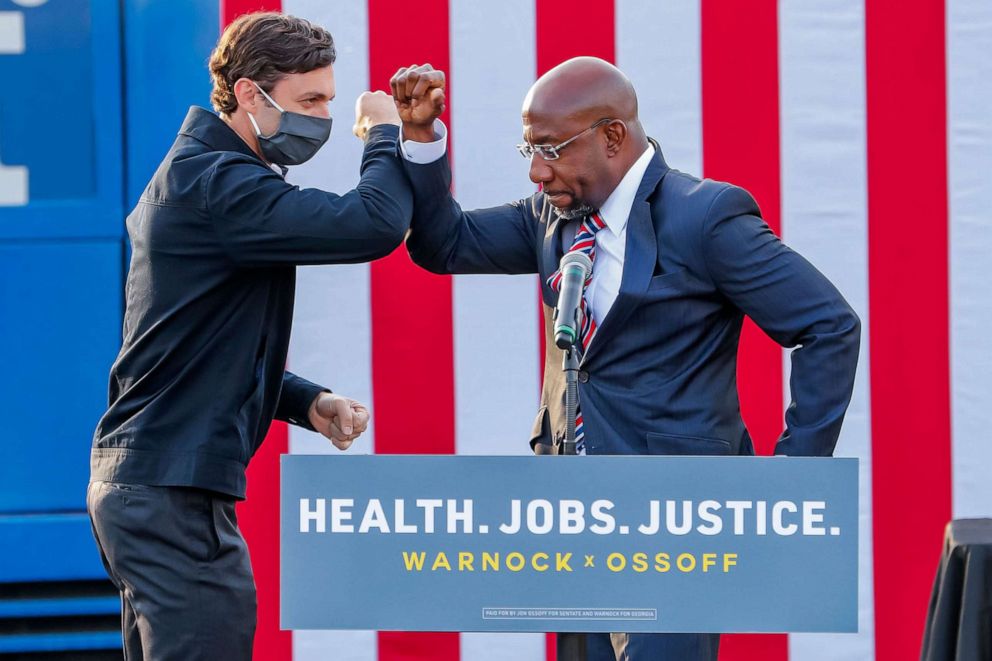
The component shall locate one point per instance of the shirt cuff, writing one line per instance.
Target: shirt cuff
(423, 153)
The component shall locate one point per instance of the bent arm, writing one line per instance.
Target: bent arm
(446, 239)
(795, 304)
(263, 221)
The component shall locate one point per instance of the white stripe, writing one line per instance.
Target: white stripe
(332, 322)
(495, 317)
(331, 342)
(969, 141)
(499, 646)
(824, 217)
(336, 645)
(658, 47)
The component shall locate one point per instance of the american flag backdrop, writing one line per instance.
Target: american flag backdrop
(864, 131)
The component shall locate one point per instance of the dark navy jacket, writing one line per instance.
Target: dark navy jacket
(216, 238)
(660, 374)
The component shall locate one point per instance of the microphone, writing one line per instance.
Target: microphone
(575, 267)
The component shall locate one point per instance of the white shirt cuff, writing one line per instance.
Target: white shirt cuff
(423, 153)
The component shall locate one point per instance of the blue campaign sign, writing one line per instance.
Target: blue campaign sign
(60, 120)
(635, 544)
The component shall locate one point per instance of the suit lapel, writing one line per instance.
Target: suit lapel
(640, 256)
(551, 254)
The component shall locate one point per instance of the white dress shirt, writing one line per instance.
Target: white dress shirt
(611, 241)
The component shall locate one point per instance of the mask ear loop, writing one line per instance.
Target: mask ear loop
(251, 118)
(254, 124)
(269, 98)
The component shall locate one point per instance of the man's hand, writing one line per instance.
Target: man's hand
(419, 95)
(372, 109)
(338, 418)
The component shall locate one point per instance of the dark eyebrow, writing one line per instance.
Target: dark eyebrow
(315, 94)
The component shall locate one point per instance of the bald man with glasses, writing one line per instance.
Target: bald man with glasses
(677, 264)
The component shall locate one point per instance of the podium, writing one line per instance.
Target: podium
(582, 544)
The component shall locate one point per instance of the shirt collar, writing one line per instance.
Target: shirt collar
(617, 207)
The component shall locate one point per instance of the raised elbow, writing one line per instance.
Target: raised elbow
(428, 257)
(850, 324)
(385, 242)
(390, 222)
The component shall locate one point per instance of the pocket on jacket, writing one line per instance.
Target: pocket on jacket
(674, 444)
(667, 280)
(129, 487)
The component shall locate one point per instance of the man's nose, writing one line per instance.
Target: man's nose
(540, 171)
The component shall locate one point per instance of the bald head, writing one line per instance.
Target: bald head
(583, 88)
(586, 109)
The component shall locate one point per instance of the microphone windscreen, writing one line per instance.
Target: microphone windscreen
(576, 257)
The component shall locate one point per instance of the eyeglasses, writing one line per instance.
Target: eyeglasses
(550, 152)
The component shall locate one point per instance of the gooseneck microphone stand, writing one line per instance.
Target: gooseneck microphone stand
(571, 646)
(570, 365)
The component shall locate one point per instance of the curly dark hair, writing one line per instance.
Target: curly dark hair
(264, 47)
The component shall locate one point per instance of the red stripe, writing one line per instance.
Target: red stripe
(569, 28)
(741, 145)
(258, 515)
(258, 518)
(412, 332)
(908, 312)
(231, 9)
(566, 29)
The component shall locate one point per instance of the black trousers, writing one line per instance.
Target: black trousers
(182, 568)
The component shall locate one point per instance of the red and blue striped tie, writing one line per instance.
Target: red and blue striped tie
(585, 241)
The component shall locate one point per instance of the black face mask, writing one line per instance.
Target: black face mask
(296, 140)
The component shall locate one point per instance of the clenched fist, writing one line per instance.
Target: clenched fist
(339, 418)
(418, 91)
(371, 109)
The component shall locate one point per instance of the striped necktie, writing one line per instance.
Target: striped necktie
(585, 241)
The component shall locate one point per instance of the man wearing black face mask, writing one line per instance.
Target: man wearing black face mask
(201, 374)
(298, 137)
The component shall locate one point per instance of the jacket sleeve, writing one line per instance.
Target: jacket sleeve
(445, 239)
(795, 304)
(295, 399)
(262, 220)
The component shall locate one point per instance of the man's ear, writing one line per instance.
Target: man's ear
(616, 134)
(247, 95)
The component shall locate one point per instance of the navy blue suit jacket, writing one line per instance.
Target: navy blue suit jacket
(660, 374)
